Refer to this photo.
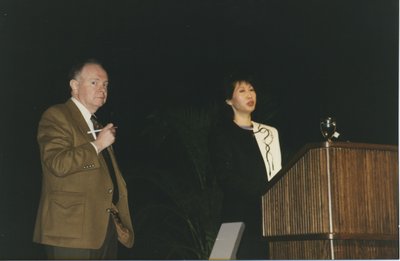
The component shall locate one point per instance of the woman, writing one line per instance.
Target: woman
(245, 156)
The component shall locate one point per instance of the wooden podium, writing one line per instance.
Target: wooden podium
(335, 200)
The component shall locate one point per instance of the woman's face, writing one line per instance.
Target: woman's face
(243, 99)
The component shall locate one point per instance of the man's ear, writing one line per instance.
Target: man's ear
(74, 84)
(229, 102)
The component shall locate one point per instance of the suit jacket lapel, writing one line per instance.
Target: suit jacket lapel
(79, 120)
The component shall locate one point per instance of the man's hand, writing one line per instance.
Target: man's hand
(106, 137)
(123, 233)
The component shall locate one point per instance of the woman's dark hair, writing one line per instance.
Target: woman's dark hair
(232, 81)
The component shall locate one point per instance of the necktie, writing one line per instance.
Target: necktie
(106, 155)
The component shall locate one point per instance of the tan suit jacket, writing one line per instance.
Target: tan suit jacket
(76, 186)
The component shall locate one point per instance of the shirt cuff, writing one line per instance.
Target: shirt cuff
(97, 150)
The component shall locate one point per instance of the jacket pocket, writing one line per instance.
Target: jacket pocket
(65, 216)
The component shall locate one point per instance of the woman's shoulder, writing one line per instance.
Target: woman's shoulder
(257, 125)
(229, 132)
(221, 129)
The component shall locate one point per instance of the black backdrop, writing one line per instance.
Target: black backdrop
(315, 58)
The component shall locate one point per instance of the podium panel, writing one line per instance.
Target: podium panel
(343, 249)
(334, 201)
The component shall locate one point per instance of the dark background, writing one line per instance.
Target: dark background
(311, 58)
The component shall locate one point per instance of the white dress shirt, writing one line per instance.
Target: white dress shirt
(86, 115)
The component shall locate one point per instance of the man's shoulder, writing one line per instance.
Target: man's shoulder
(59, 108)
(59, 111)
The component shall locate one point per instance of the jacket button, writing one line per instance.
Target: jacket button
(108, 210)
(110, 191)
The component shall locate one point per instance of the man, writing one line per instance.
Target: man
(83, 210)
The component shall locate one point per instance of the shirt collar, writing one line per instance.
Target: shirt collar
(85, 112)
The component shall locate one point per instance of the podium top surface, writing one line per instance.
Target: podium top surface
(349, 145)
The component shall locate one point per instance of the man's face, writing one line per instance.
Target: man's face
(90, 87)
